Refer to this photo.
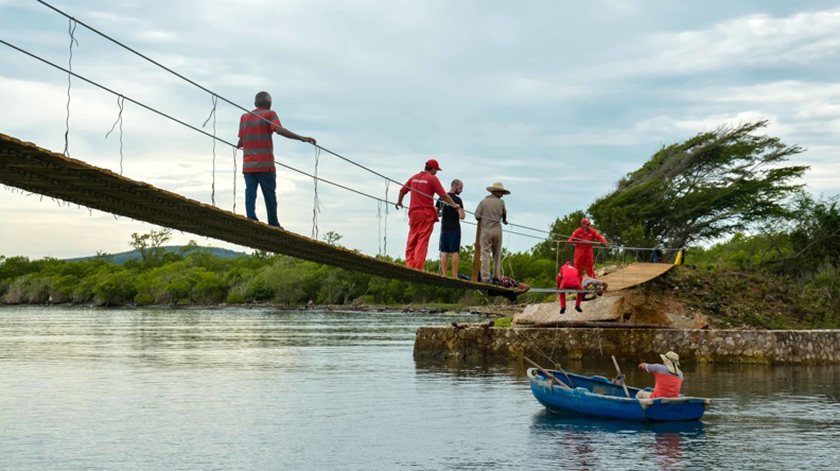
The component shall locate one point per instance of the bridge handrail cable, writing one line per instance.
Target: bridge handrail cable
(235, 105)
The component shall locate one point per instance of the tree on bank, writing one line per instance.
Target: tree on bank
(712, 185)
(150, 246)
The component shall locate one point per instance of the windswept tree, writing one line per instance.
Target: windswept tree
(712, 185)
(150, 246)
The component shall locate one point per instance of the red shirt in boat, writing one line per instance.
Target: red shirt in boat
(667, 384)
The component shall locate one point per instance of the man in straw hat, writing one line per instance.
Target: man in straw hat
(668, 376)
(422, 214)
(492, 213)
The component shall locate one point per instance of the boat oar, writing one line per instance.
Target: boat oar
(545, 372)
(620, 376)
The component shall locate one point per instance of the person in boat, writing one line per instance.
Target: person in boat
(583, 239)
(568, 278)
(422, 215)
(255, 139)
(668, 376)
(450, 228)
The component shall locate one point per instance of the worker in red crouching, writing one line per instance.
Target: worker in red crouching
(583, 238)
(568, 279)
(422, 214)
(668, 376)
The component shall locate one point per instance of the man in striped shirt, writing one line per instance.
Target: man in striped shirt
(255, 133)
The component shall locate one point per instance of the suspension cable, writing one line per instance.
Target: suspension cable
(235, 105)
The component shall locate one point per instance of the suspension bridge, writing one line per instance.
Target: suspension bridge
(30, 168)
(33, 169)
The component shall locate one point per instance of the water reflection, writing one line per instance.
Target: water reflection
(583, 443)
(243, 389)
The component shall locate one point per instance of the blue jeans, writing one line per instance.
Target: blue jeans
(267, 181)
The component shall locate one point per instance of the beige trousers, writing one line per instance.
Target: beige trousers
(491, 245)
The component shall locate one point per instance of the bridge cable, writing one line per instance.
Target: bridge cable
(316, 204)
(121, 105)
(379, 226)
(385, 231)
(70, 73)
(71, 30)
(234, 179)
(350, 161)
(73, 20)
(215, 100)
(149, 108)
(187, 125)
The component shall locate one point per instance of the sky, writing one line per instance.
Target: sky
(555, 99)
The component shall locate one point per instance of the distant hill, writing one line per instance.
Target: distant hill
(122, 257)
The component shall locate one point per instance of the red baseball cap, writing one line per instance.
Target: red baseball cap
(584, 222)
(432, 163)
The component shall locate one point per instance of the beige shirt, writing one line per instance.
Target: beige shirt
(490, 210)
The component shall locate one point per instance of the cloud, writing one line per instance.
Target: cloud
(558, 100)
(805, 38)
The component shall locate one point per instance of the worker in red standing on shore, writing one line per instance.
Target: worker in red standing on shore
(583, 238)
(422, 214)
(568, 279)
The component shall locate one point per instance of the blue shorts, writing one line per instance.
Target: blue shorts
(450, 242)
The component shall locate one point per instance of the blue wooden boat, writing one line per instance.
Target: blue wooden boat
(598, 396)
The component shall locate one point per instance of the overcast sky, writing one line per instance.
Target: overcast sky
(556, 99)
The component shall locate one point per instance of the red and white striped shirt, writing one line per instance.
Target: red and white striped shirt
(257, 145)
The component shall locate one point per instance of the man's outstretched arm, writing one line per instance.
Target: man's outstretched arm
(291, 135)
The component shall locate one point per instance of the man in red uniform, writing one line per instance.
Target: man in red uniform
(422, 214)
(568, 279)
(583, 238)
(255, 131)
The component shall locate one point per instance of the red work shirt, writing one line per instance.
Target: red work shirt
(590, 236)
(426, 184)
(257, 145)
(568, 272)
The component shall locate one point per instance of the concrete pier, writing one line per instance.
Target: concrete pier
(693, 345)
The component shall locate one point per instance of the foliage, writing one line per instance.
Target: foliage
(150, 246)
(710, 186)
(815, 241)
(332, 237)
(779, 268)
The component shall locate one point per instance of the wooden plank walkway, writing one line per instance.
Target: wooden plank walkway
(28, 167)
(634, 274)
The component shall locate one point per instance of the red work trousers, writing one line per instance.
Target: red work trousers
(420, 226)
(584, 260)
(570, 284)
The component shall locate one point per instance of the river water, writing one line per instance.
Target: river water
(260, 389)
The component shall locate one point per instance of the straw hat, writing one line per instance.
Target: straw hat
(498, 187)
(672, 361)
